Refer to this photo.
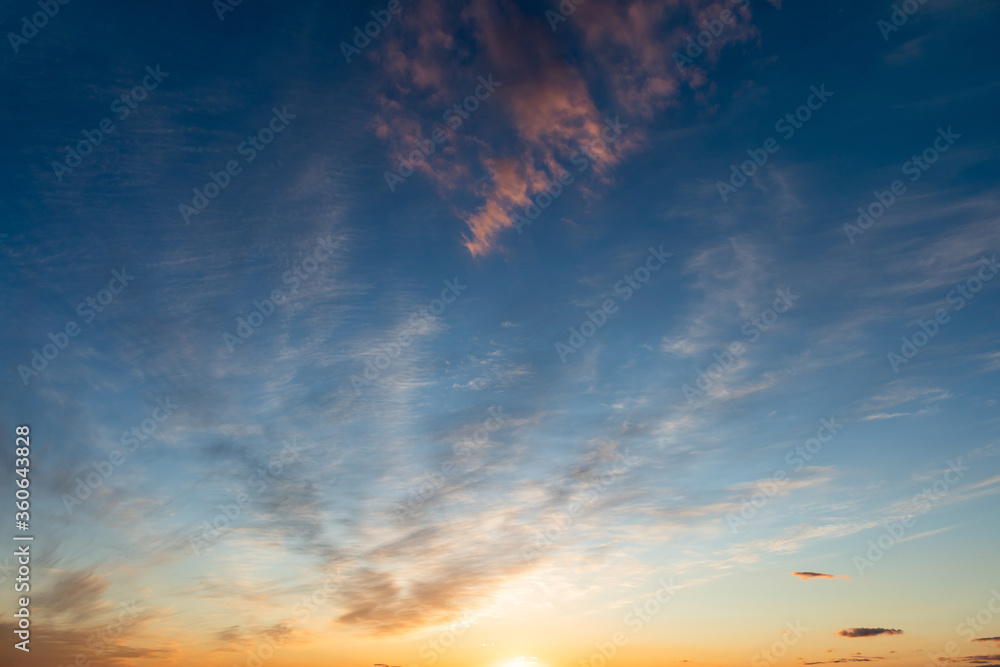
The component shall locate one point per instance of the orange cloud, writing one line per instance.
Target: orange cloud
(545, 110)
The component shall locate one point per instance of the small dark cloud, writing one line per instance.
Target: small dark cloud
(981, 660)
(812, 575)
(868, 632)
(856, 658)
(987, 639)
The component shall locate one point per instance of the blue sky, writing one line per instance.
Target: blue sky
(349, 274)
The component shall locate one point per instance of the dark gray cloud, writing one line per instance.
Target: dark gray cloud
(868, 632)
(854, 658)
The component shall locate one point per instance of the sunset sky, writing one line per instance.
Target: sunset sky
(624, 333)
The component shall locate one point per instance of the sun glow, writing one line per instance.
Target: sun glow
(521, 662)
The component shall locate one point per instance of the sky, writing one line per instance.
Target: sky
(416, 333)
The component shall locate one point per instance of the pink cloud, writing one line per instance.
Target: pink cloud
(544, 110)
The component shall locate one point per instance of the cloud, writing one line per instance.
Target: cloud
(90, 626)
(449, 571)
(886, 415)
(65, 644)
(77, 594)
(812, 575)
(853, 658)
(230, 635)
(987, 639)
(868, 632)
(981, 660)
(545, 110)
(926, 533)
(235, 638)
